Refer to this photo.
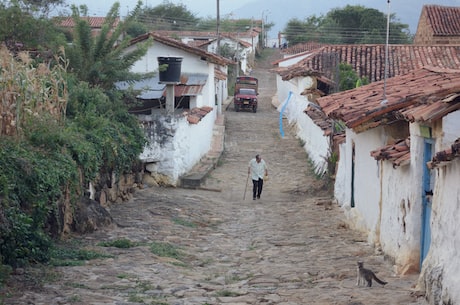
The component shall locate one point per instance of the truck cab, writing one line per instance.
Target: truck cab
(246, 91)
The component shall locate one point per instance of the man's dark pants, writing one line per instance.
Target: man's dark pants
(257, 188)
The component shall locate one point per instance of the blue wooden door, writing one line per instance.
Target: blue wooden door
(427, 193)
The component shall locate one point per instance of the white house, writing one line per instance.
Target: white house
(242, 45)
(178, 140)
(385, 180)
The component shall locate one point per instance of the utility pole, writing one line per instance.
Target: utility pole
(218, 29)
(385, 101)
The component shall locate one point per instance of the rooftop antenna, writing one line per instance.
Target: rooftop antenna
(385, 101)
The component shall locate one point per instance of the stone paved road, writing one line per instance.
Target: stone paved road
(284, 249)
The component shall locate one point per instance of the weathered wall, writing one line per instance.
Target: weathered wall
(175, 145)
(441, 268)
(365, 215)
(316, 144)
(386, 207)
(401, 218)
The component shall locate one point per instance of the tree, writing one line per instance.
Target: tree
(167, 16)
(102, 60)
(350, 25)
(359, 24)
(298, 31)
(20, 29)
(41, 7)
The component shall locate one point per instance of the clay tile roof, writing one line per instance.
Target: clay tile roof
(195, 115)
(446, 155)
(210, 57)
(319, 118)
(398, 152)
(369, 60)
(302, 47)
(423, 94)
(94, 22)
(443, 20)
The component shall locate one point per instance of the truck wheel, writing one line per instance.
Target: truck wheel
(254, 109)
(237, 108)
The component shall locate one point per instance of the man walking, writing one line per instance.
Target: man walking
(258, 169)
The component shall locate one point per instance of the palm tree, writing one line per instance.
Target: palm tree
(101, 61)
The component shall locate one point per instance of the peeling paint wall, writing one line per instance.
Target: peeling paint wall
(386, 207)
(401, 218)
(441, 269)
(175, 146)
(445, 238)
(365, 215)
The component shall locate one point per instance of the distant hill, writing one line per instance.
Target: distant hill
(280, 12)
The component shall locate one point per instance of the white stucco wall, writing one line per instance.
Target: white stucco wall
(149, 62)
(450, 129)
(365, 215)
(441, 268)
(175, 146)
(445, 236)
(315, 143)
(401, 217)
(387, 200)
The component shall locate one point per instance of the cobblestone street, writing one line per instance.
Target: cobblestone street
(288, 248)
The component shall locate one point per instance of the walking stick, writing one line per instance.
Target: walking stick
(246, 187)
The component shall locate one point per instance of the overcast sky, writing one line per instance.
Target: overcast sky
(278, 12)
(201, 8)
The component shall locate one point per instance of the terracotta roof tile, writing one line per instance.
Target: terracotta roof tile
(446, 155)
(303, 47)
(398, 152)
(369, 60)
(319, 118)
(94, 22)
(424, 94)
(195, 115)
(443, 20)
(210, 57)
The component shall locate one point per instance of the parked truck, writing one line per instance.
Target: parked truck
(246, 91)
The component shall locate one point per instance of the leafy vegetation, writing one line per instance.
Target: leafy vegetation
(165, 250)
(123, 243)
(60, 129)
(102, 61)
(21, 29)
(65, 255)
(353, 24)
(349, 79)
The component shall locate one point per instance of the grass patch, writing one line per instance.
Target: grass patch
(165, 250)
(184, 222)
(122, 243)
(69, 256)
(5, 271)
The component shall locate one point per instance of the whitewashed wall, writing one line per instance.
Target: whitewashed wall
(365, 215)
(175, 146)
(316, 144)
(401, 217)
(441, 268)
(451, 130)
(149, 62)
